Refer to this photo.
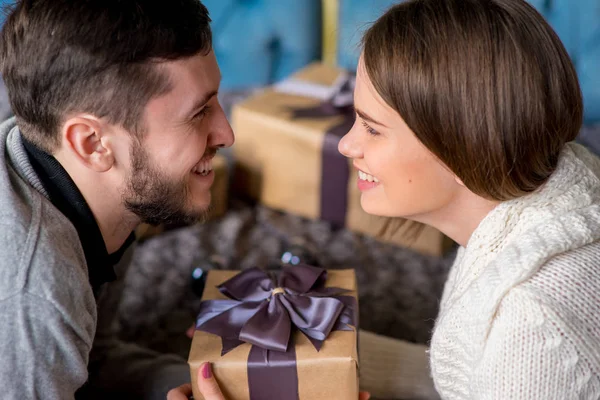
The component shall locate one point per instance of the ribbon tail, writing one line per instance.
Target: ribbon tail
(212, 308)
(228, 324)
(349, 315)
(229, 344)
(316, 342)
(342, 326)
(264, 365)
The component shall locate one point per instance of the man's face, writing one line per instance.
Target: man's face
(171, 164)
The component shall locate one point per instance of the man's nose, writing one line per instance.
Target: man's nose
(222, 133)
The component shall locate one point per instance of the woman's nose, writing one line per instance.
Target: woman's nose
(349, 145)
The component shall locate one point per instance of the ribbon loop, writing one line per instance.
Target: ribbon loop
(301, 280)
(251, 285)
(314, 316)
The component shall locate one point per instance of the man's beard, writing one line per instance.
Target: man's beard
(156, 199)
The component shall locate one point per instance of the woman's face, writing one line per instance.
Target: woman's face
(398, 175)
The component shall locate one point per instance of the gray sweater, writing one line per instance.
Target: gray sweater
(55, 336)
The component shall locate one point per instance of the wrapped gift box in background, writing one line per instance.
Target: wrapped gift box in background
(219, 198)
(252, 328)
(288, 159)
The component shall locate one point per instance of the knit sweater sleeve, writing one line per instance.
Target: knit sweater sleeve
(531, 352)
(391, 368)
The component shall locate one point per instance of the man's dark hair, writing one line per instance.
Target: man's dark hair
(60, 57)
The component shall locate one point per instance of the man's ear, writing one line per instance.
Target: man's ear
(86, 137)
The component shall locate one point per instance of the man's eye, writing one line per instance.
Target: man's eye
(200, 114)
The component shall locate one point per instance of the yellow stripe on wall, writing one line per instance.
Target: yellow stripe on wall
(330, 31)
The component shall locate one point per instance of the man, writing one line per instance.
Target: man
(116, 123)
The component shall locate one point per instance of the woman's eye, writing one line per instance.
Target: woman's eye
(370, 130)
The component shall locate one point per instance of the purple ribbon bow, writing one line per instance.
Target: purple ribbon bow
(262, 311)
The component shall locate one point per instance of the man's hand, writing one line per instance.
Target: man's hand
(183, 392)
(190, 332)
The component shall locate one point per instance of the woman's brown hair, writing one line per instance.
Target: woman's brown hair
(485, 85)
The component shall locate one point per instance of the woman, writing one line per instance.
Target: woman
(466, 110)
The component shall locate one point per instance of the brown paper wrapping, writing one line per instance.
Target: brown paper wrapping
(278, 161)
(328, 374)
(219, 197)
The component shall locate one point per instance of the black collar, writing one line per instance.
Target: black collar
(65, 196)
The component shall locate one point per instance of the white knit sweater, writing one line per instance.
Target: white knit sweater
(520, 313)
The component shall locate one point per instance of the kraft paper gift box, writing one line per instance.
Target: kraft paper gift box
(286, 157)
(219, 197)
(308, 297)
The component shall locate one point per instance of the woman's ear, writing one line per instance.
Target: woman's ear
(459, 181)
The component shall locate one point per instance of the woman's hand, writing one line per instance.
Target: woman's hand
(208, 386)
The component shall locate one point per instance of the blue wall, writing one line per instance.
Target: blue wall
(260, 41)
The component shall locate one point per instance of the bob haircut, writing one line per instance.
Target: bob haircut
(485, 85)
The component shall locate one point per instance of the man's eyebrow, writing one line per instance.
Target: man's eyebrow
(367, 118)
(201, 102)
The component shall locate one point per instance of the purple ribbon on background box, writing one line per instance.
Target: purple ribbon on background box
(263, 311)
(335, 172)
